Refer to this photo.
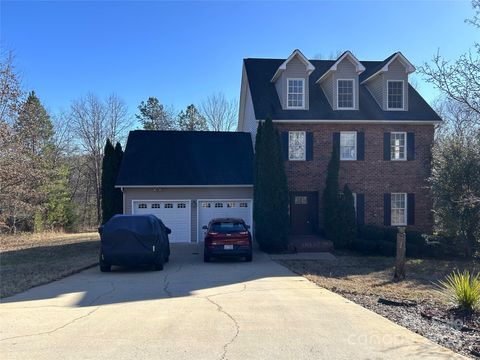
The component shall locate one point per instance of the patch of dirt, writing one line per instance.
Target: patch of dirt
(365, 280)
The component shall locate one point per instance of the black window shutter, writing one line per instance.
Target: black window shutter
(410, 146)
(309, 139)
(285, 144)
(336, 141)
(360, 145)
(360, 209)
(410, 209)
(387, 208)
(386, 146)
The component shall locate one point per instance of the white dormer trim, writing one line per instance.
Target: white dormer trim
(409, 68)
(359, 68)
(283, 67)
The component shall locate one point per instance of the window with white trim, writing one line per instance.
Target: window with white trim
(295, 93)
(156, 206)
(395, 94)
(348, 145)
(142, 206)
(206, 205)
(345, 94)
(168, 206)
(243, 205)
(230, 204)
(398, 209)
(219, 205)
(398, 145)
(296, 145)
(181, 206)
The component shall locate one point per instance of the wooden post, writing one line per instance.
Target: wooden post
(400, 258)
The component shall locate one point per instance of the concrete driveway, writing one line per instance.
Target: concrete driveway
(192, 310)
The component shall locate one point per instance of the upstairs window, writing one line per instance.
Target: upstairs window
(395, 94)
(296, 145)
(348, 145)
(398, 142)
(345, 94)
(296, 93)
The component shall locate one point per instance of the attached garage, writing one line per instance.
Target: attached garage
(175, 214)
(187, 178)
(210, 209)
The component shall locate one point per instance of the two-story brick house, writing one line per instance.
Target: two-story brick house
(384, 130)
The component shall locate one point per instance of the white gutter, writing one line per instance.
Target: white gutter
(180, 186)
(322, 121)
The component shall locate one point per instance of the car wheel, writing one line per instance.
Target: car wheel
(248, 258)
(104, 267)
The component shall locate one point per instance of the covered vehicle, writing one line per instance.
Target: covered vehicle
(134, 240)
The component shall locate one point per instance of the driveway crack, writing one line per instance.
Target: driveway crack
(227, 314)
(69, 322)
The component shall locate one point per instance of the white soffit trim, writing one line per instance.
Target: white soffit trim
(406, 122)
(409, 68)
(283, 67)
(359, 68)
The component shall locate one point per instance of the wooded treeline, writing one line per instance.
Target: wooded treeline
(51, 164)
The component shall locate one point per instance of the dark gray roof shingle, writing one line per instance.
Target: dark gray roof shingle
(186, 158)
(267, 104)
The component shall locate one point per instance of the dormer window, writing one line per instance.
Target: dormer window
(395, 94)
(295, 93)
(345, 95)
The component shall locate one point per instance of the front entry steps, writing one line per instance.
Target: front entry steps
(309, 243)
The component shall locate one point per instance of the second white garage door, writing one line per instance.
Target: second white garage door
(210, 209)
(175, 214)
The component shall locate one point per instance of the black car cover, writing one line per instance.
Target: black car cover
(132, 240)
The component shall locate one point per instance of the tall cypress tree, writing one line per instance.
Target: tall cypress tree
(109, 166)
(118, 196)
(347, 229)
(330, 195)
(270, 190)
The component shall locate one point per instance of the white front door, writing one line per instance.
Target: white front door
(211, 209)
(175, 214)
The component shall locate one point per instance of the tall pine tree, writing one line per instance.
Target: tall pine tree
(270, 190)
(192, 120)
(154, 116)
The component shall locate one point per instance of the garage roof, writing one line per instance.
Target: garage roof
(183, 158)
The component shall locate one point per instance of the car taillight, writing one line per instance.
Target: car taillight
(213, 233)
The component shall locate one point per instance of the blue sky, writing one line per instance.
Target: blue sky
(182, 52)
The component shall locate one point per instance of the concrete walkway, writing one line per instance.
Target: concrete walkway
(192, 310)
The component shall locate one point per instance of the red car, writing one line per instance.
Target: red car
(227, 237)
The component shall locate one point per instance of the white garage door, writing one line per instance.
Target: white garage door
(210, 209)
(175, 214)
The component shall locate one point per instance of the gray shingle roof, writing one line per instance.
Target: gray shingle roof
(266, 102)
(186, 158)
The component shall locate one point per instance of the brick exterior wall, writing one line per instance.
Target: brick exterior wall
(372, 176)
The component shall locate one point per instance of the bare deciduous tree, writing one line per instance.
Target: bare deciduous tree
(221, 114)
(10, 88)
(93, 121)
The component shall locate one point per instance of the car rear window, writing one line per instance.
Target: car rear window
(227, 227)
